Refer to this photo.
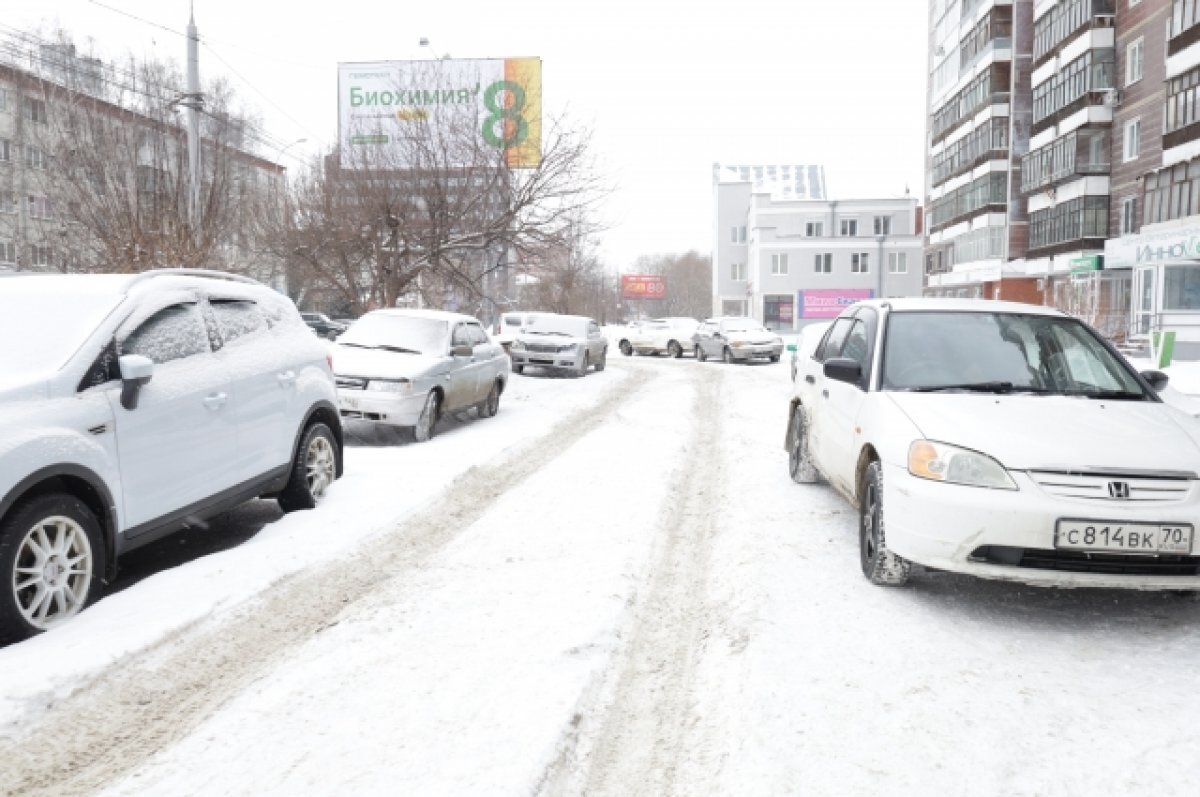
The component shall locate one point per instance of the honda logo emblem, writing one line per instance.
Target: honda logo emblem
(1118, 490)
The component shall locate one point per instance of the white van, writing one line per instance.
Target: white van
(512, 324)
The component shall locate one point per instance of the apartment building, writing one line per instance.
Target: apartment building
(979, 115)
(786, 254)
(1157, 187)
(89, 181)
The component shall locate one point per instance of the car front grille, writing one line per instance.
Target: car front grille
(545, 348)
(1083, 562)
(1131, 488)
(351, 382)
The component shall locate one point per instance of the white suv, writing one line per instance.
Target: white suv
(132, 406)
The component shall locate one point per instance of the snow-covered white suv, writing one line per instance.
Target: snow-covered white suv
(132, 406)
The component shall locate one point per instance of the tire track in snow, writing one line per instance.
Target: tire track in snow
(636, 727)
(114, 724)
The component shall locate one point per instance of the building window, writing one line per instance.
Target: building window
(1075, 219)
(858, 263)
(1128, 215)
(35, 158)
(1133, 62)
(35, 110)
(813, 229)
(779, 265)
(39, 255)
(823, 263)
(1181, 286)
(3, 100)
(8, 252)
(5, 150)
(883, 225)
(1133, 140)
(737, 272)
(737, 235)
(39, 207)
(8, 202)
(897, 262)
(1184, 15)
(849, 228)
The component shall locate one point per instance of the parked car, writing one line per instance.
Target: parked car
(806, 342)
(670, 336)
(1001, 440)
(734, 338)
(323, 325)
(625, 334)
(138, 405)
(510, 325)
(407, 368)
(567, 343)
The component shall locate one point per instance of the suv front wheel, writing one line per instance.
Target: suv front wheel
(50, 563)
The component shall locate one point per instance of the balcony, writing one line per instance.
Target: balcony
(1082, 153)
(1184, 28)
(1062, 22)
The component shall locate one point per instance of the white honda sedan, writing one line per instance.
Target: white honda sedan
(1001, 440)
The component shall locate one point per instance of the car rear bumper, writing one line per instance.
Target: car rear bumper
(1010, 534)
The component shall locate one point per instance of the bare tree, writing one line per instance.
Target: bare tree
(688, 277)
(107, 164)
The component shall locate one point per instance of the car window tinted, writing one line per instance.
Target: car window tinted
(170, 334)
(834, 338)
(856, 345)
(237, 319)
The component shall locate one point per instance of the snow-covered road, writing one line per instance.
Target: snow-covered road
(611, 588)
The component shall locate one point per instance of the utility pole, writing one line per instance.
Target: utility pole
(193, 104)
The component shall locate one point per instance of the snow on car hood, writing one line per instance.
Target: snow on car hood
(1051, 432)
(383, 364)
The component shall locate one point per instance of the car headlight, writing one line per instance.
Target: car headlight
(568, 349)
(737, 344)
(945, 463)
(517, 345)
(390, 386)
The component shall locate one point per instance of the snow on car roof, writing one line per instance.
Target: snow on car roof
(434, 315)
(960, 305)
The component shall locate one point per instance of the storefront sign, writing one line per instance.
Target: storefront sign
(823, 303)
(1087, 263)
(1180, 243)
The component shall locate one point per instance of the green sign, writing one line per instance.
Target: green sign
(1082, 265)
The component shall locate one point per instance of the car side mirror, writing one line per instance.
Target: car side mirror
(843, 369)
(136, 371)
(461, 351)
(1157, 379)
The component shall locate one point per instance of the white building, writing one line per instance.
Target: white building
(785, 254)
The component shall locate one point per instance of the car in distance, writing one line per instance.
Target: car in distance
(671, 336)
(510, 325)
(810, 335)
(563, 343)
(323, 325)
(736, 339)
(139, 405)
(407, 368)
(1001, 440)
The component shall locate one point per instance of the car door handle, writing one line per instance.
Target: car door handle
(215, 400)
(286, 378)
(812, 380)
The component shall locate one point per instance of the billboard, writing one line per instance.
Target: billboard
(829, 303)
(480, 106)
(643, 286)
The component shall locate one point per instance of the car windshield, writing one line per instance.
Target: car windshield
(398, 333)
(558, 325)
(1001, 353)
(43, 331)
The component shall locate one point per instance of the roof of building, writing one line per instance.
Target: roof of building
(783, 181)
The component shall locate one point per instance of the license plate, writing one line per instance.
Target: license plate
(1091, 535)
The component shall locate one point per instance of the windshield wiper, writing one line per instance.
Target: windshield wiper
(983, 387)
(400, 349)
(1126, 395)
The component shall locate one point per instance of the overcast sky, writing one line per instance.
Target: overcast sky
(668, 87)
